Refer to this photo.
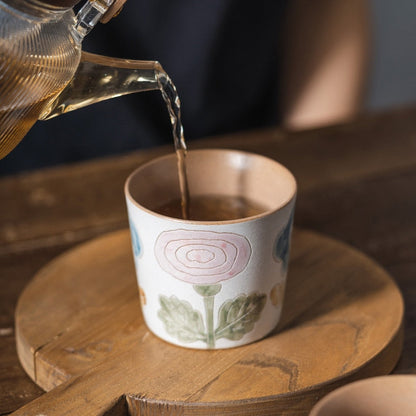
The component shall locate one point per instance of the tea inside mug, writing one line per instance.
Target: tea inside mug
(213, 208)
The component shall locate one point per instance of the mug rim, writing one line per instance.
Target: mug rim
(266, 213)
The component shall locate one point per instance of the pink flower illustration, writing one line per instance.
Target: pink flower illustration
(202, 257)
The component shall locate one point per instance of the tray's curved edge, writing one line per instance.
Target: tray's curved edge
(25, 352)
(294, 403)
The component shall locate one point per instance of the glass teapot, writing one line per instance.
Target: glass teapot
(44, 73)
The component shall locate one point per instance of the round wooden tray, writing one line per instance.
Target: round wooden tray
(79, 327)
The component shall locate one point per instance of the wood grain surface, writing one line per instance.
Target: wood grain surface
(78, 325)
(356, 183)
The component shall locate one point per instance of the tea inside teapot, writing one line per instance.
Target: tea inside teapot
(41, 57)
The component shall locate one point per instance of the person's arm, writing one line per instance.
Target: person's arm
(325, 61)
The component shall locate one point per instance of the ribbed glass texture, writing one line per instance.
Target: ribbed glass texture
(38, 57)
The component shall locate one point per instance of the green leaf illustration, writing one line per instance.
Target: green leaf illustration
(238, 316)
(181, 320)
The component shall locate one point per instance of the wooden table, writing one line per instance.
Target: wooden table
(357, 183)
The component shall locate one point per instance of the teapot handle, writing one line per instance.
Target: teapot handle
(100, 78)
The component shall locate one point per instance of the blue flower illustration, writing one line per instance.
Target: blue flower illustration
(135, 241)
(281, 246)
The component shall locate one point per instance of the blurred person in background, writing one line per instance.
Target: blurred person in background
(237, 65)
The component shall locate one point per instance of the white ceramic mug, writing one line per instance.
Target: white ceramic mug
(212, 284)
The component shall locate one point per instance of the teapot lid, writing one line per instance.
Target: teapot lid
(112, 11)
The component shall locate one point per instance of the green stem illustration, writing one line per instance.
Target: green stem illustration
(208, 292)
(209, 316)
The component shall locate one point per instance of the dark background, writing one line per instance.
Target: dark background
(393, 66)
(119, 128)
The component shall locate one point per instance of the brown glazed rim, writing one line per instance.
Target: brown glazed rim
(210, 150)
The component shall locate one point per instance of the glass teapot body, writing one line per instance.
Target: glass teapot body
(39, 54)
(44, 72)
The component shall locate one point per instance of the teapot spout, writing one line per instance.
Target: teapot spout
(100, 78)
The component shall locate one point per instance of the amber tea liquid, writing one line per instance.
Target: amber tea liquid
(15, 123)
(213, 208)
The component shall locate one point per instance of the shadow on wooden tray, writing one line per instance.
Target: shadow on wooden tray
(323, 278)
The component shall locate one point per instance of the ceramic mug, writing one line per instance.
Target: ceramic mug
(393, 395)
(212, 284)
